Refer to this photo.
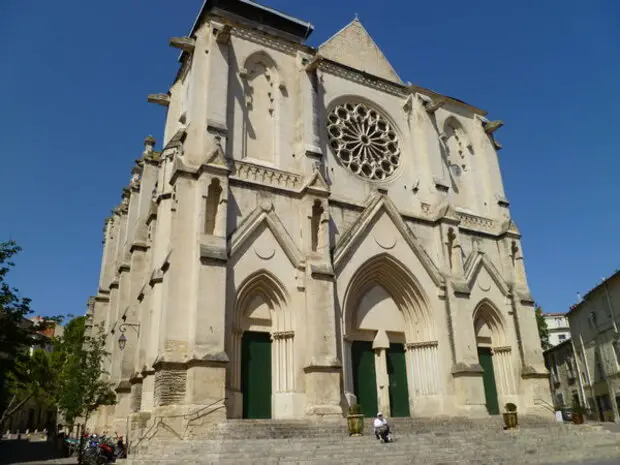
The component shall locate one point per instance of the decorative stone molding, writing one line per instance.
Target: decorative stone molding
(362, 78)
(498, 350)
(282, 334)
(266, 40)
(476, 222)
(263, 175)
(363, 141)
(416, 345)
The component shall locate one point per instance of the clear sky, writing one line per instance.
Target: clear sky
(75, 75)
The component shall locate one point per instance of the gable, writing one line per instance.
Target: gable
(479, 264)
(381, 208)
(268, 219)
(352, 46)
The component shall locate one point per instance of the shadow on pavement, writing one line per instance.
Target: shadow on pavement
(22, 451)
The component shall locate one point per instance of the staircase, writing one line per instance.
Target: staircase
(416, 441)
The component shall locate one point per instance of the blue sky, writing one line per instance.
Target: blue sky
(73, 115)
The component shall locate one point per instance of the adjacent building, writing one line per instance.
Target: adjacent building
(563, 379)
(314, 233)
(557, 323)
(33, 416)
(596, 342)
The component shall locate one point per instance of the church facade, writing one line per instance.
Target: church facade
(313, 233)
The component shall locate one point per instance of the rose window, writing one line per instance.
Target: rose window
(363, 140)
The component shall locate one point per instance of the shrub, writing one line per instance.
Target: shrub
(510, 407)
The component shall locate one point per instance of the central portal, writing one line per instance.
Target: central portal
(256, 374)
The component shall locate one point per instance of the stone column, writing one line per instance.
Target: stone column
(380, 344)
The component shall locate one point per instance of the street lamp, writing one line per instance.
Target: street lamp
(122, 340)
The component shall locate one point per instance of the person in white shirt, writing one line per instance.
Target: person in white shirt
(381, 428)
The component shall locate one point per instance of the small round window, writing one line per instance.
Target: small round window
(363, 141)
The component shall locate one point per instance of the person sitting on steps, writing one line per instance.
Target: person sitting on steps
(381, 428)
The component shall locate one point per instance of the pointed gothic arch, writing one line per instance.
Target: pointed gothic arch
(489, 324)
(261, 309)
(262, 288)
(491, 332)
(392, 276)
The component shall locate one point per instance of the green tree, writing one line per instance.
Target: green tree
(83, 386)
(543, 330)
(19, 373)
(32, 377)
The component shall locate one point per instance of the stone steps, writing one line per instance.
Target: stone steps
(424, 442)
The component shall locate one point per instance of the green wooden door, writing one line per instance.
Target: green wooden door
(397, 374)
(256, 374)
(364, 377)
(490, 388)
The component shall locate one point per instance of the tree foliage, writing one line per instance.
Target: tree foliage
(543, 330)
(32, 377)
(24, 374)
(15, 331)
(82, 385)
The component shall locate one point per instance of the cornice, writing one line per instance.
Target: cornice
(361, 77)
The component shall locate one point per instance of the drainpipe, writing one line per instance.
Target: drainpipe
(581, 388)
(610, 384)
(585, 362)
(611, 308)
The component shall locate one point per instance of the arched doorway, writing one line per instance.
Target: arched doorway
(493, 354)
(390, 354)
(261, 347)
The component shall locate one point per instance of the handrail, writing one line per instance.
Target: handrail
(190, 416)
(545, 404)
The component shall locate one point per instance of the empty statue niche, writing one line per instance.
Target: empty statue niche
(315, 224)
(214, 194)
(459, 147)
(261, 84)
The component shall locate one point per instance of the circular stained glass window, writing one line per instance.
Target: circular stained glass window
(363, 141)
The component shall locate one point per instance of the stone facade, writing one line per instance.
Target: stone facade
(594, 333)
(564, 382)
(309, 195)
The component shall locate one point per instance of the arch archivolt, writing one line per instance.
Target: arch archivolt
(491, 331)
(263, 305)
(384, 303)
(385, 278)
